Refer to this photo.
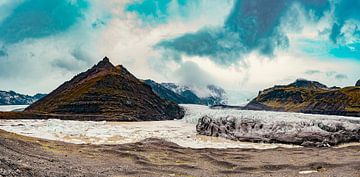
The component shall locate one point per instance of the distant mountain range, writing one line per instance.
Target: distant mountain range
(13, 98)
(309, 97)
(84, 93)
(169, 91)
(185, 95)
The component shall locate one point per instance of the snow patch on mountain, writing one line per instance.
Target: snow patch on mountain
(13, 98)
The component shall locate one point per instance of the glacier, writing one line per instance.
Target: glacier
(182, 132)
(8, 108)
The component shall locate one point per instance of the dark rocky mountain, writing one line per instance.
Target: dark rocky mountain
(357, 83)
(109, 92)
(39, 96)
(309, 97)
(302, 83)
(185, 95)
(13, 98)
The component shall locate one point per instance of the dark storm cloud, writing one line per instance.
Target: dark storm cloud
(3, 52)
(40, 18)
(312, 72)
(251, 25)
(340, 76)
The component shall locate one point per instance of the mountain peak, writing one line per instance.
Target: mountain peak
(106, 59)
(108, 92)
(357, 83)
(104, 64)
(307, 84)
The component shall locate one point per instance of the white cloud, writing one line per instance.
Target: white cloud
(126, 41)
(257, 72)
(6, 7)
(40, 65)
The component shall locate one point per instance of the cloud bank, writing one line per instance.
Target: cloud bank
(239, 44)
(251, 25)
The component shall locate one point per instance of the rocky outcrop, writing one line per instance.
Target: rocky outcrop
(185, 95)
(309, 97)
(357, 83)
(319, 133)
(13, 98)
(109, 92)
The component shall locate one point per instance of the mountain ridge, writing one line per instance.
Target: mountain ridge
(185, 95)
(14, 98)
(308, 97)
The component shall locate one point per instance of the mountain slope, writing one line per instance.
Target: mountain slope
(13, 98)
(184, 95)
(309, 97)
(106, 90)
(357, 83)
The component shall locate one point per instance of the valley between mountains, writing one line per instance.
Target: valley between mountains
(318, 142)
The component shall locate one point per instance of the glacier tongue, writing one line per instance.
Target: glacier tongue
(281, 127)
(184, 133)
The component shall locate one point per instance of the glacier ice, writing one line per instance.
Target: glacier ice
(182, 132)
(266, 126)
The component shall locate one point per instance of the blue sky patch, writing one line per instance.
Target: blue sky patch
(150, 10)
(153, 12)
(351, 51)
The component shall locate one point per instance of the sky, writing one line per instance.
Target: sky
(241, 45)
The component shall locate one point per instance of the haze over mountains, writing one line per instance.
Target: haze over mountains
(115, 92)
(185, 95)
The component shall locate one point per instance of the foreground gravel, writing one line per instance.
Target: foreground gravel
(24, 156)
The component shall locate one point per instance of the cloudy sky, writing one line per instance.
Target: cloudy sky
(242, 45)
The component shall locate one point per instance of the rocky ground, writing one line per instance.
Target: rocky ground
(24, 156)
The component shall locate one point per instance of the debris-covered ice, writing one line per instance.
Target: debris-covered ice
(182, 132)
(81, 132)
(265, 126)
(194, 112)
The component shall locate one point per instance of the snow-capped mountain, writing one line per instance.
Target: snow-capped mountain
(185, 95)
(13, 98)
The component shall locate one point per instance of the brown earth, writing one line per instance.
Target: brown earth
(309, 97)
(104, 92)
(25, 156)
